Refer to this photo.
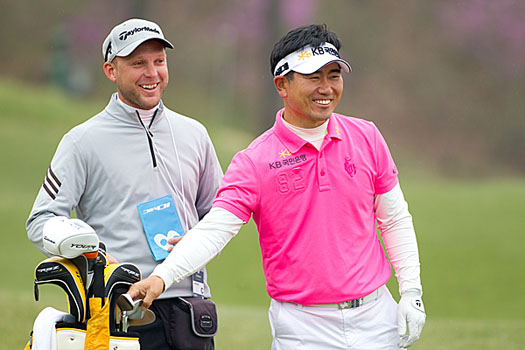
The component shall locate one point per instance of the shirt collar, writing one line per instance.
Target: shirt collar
(334, 131)
(128, 114)
(293, 142)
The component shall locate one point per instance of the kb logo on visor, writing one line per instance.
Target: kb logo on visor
(321, 50)
(304, 55)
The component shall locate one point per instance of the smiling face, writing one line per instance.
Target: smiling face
(142, 76)
(310, 99)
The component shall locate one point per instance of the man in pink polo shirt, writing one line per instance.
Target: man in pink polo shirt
(316, 184)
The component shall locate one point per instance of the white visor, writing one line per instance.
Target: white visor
(310, 59)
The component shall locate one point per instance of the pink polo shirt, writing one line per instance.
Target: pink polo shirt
(314, 210)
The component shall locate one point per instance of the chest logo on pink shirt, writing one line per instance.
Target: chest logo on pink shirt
(290, 161)
(284, 153)
(350, 167)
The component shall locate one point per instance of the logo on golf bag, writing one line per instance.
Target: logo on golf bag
(48, 269)
(135, 274)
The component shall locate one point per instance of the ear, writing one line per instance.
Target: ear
(281, 84)
(110, 70)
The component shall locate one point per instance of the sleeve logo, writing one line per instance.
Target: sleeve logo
(51, 184)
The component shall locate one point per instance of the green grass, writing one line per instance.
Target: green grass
(470, 236)
(471, 245)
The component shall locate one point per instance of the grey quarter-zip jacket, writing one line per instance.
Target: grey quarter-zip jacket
(106, 166)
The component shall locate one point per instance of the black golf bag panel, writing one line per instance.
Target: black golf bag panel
(65, 274)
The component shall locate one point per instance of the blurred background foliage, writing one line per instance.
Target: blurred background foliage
(443, 80)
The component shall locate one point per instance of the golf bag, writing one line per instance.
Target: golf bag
(98, 313)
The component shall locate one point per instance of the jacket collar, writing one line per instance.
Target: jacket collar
(128, 114)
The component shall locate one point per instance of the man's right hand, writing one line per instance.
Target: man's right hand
(173, 241)
(147, 290)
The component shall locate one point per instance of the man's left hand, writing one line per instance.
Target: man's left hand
(412, 312)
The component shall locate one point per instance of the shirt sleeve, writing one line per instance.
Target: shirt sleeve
(239, 193)
(398, 234)
(60, 192)
(386, 177)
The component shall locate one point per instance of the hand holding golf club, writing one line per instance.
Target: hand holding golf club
(147, 290)
(153, 286)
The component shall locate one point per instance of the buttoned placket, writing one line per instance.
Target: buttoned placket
(322, 171)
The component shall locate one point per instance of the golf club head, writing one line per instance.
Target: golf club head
(65, 274)
(136, 312)
(125, 303)
(148, 317)
(135, 316)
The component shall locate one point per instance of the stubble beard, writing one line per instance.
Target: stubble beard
(134, 98)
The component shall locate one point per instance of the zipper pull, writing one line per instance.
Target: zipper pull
(151, 123)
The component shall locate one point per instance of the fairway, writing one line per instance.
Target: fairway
(470, 235)
(246, 327)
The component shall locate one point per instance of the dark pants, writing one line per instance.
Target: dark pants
(171, 330)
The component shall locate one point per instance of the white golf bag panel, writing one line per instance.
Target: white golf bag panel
(70, 339)
(74, 339)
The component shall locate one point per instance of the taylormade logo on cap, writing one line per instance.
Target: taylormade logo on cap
(124, 35)
(310, 59)
(127, 36)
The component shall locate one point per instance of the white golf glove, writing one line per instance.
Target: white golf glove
(412, 312)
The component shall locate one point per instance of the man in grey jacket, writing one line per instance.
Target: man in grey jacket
(137, 173)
